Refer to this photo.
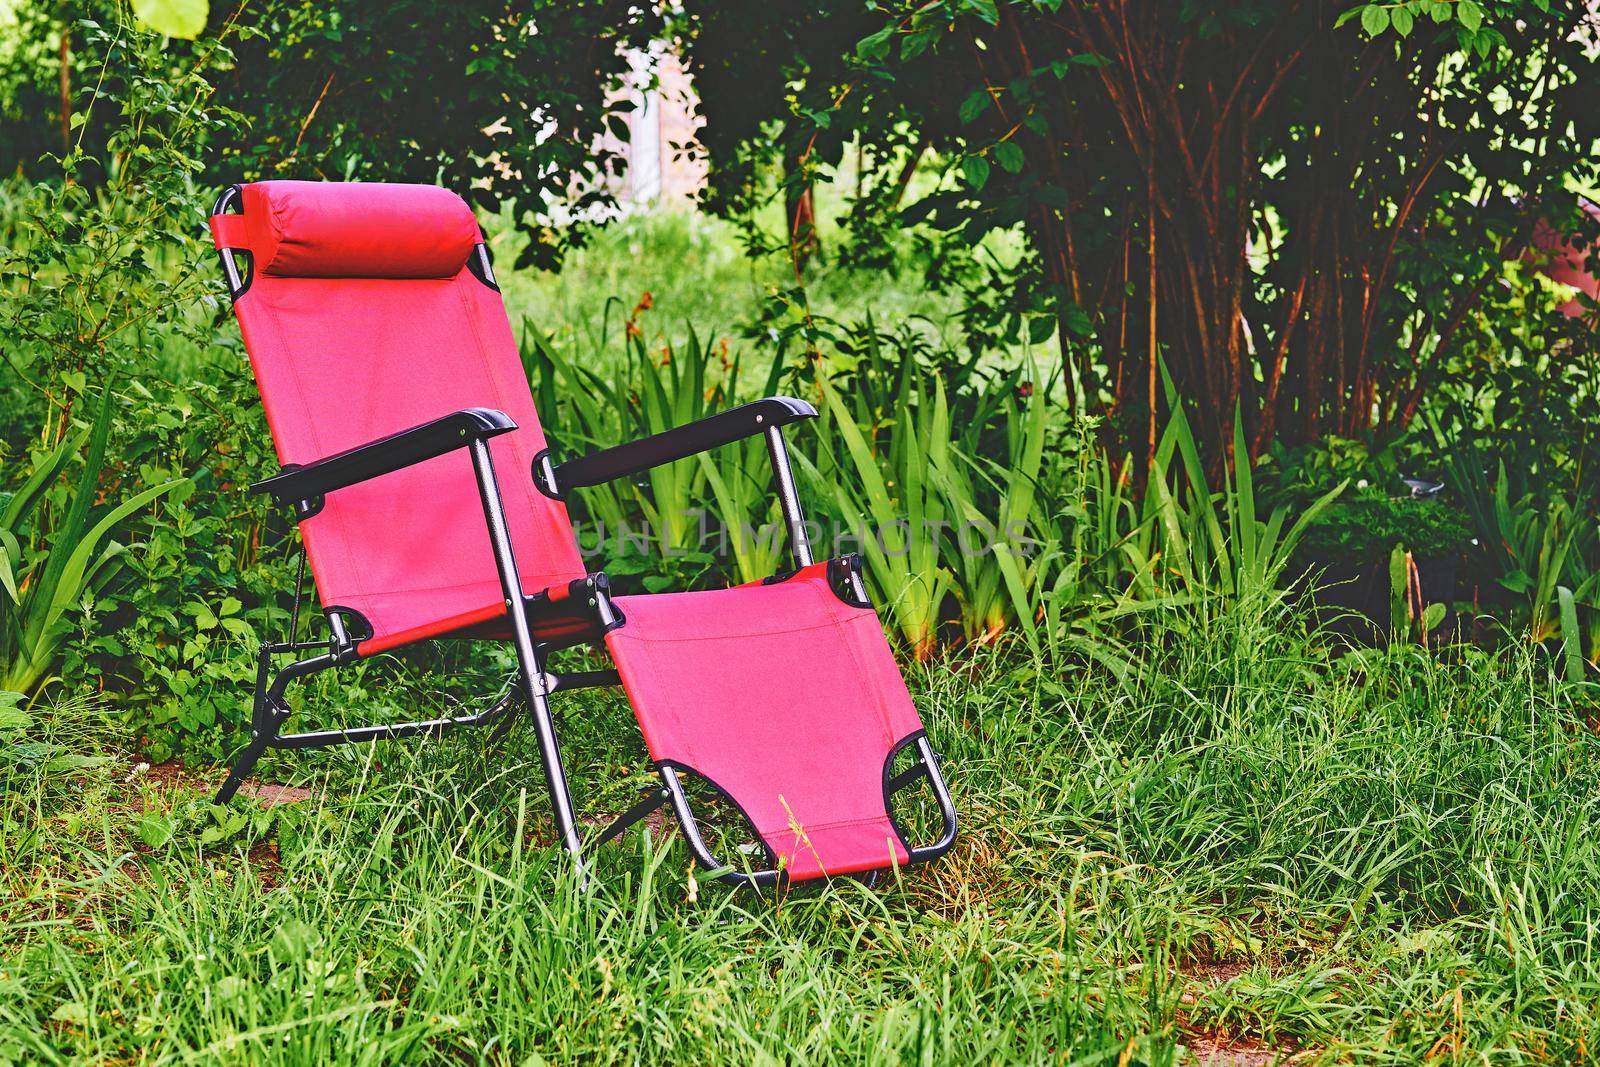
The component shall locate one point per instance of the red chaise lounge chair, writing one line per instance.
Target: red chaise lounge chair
(430, 507)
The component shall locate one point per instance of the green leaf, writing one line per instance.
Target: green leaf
(973, 105)
(914, 44)
(1400, 18)
(9, 551)
(1374, 19)
(1516, 581)
(1354, 12)
(72, 761)
(875, 46)
(25, 499)
(154, 829)
(985, 10)
(1469, 14)
(1399, 589)
(174, 18)
(1009, 155)
(976, 170)
(66, 535)
(238, 628)
(14, 718)
(1571, 635)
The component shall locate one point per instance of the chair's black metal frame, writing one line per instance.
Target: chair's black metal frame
(303, 488)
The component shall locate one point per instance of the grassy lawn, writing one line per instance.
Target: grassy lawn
(1114, 367)
(1243, 846)
(697, 277)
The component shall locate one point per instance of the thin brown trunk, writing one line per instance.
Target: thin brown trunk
(1150, 391)
(907, 172)
(66, 88)
(1269, 405)
(803, 242)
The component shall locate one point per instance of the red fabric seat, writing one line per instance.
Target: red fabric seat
(784, 697)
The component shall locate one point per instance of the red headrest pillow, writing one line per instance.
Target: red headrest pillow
(351, 230)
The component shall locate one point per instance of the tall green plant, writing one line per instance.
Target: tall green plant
(585, 409)
(1115, 559)
(1533, 541)
(889, 495)
(989, 553)
(1215, 540)
(744, 505)
(60, 561)
(1580, 643)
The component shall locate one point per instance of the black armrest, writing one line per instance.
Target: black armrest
(297, 483)
(681, 442)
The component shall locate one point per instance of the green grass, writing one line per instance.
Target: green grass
(696, 274)
(1374, 859)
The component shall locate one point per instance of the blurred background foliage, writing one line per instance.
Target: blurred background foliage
(1081, 365)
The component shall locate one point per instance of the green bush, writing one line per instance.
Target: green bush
(1367, 527)
(56, 555)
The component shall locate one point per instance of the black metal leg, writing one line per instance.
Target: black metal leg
(503, 727)
(528, 661)
(620, 825)
(241, 769)
(263, 724)
(928, 765)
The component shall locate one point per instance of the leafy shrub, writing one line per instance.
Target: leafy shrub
(55, 554)
(1368, 526)
(1099, 138)
(110, 242)
(21, 751)
(106, 291)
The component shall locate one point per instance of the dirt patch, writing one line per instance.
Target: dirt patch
(271, 795)
(266, 862)
(160, 787)
(163, 780)
(1216, 1050)
(170, 774)
(659, 822)
(173, 777)
(1210, 973)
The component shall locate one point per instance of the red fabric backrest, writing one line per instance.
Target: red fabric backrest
(356, 330)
